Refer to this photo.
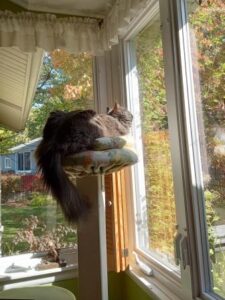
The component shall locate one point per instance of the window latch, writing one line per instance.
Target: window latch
(142, 266)
(184, 245)
(177, 252)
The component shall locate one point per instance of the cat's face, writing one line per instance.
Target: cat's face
(121, 113)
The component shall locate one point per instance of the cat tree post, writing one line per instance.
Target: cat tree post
(108, 155)
(92, 259)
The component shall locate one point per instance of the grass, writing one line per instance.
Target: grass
(13, 218)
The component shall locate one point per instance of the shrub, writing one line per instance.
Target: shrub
(11, 184)
(35, 237)
(32, 183)
(39, 199)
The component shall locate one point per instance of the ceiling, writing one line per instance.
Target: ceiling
(92, 8)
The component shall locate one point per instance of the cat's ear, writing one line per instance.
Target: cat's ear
(107, 109)
(116, 106)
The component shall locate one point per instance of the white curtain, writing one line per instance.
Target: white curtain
(120, 17)
(29, 31)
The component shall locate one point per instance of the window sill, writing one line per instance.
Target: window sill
(30, 276)
(153, 287)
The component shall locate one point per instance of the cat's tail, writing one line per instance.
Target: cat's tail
(57, 182)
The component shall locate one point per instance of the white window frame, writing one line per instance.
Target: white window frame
(183, 288)
(28, 160)
(201, 273)
(23, 156)
(8, 163)
(195, 279)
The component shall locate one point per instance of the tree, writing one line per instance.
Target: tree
(65, 84)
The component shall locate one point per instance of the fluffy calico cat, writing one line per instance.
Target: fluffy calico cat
(66, 133)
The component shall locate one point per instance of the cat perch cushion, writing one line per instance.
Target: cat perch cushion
(109, 154)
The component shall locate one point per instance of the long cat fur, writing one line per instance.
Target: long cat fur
(67, 133)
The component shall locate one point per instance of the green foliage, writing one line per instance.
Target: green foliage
(78, 70)
(218, 272)
(10, 184)
(160, 194)
(208, 23)
(211, 219)
(208, 26)
(65, 84)
(40, 199)
(36, 237)
(9, 138)
(25, 227)
(151, 73)
(158, 173)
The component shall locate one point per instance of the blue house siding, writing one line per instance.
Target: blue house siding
(22, 159)
(8, 163)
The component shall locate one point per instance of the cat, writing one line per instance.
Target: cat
(67, 133)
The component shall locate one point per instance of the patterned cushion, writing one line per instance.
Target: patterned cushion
(108, 155)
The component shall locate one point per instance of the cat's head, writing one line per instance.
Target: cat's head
(122, 114)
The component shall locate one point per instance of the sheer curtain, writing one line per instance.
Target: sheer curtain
(120, 17)
(29, 31)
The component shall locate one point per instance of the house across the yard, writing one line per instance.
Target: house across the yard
(20, 159)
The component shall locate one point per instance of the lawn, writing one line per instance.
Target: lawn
(14, 217)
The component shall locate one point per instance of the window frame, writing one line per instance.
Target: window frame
(33, 277)
(27, 160)
(187, 174)
(201, 271)
(174, 91)
(8, 163)
(23, 160)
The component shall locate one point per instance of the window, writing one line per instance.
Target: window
(32, 221)
(24, 161)
(159, 194)
(155, 199)
(27, 162)
(8, 163)
(175, 86)
(205, 104)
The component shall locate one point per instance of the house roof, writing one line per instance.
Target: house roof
(19, 73)
(21, 146)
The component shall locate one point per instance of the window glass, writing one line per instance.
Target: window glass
(27, 161)
(31, 220)
(207, 32)
(155, 201)
(20, 161)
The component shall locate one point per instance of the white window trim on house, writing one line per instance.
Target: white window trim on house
(8, 163)
(23, 170)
